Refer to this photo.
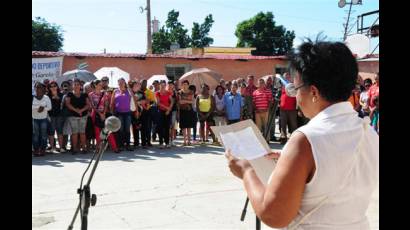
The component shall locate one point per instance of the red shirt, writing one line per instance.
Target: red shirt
(164, 100)
(286, 102)
(250, 89)
(261, 98)
(373, 92)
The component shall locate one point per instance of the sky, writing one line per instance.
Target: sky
(119, 26)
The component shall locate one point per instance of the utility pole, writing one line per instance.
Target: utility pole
(347, 23)
(149, 35)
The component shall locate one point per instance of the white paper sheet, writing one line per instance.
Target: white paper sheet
(243, 144)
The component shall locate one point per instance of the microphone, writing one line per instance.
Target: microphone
(111, 124)
(289, 87)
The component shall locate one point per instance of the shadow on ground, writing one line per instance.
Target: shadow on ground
(152, 153)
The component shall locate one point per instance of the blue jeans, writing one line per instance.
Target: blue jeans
(39, 137)
(124, 132)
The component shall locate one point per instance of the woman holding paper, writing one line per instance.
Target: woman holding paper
(328, 169)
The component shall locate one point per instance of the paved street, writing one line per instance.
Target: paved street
(180, 188)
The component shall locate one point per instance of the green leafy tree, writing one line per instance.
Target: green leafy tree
(46, 36)
(262, 33)
(174, 32)
(199, 35)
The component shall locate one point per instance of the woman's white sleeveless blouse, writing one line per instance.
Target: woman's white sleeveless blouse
(346, 155)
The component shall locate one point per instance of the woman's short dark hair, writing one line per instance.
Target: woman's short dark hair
(77, 81)
(185, 81)
(219, 86)
(330, 66)
(192, 88)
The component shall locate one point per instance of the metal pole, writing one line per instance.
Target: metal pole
(347, 23)
(149, 39)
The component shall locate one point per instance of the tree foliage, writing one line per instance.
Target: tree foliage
(174, 32)
(262, 33)
(45, 36)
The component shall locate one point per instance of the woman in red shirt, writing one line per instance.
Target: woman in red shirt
(164, 99)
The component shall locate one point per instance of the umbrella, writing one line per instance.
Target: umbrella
(82, 75)
(157, 78)
(113, 74)
(202, 75)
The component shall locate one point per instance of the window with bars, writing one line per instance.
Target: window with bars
(174, 72)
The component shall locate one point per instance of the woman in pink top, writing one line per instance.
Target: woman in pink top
(99, 104)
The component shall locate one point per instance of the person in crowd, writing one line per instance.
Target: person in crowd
(233, 103)
(228, 86)
(40, 106)
(135, 90)
(374, 114)
(164, 99)
(65, 87)
(219, 114)
(354, 98)
(88, 87)
(328, 171)
(57, 119)
(46, 82)
(99, 101)
(271, 87)
(288, 114)
(365, 111)
(105, 81)
(121, 108)
(78, 104)
(186, 112)
(205, 105)
(192, 88)
(155, 113)
(250, 88)
(373, 92)
(146, 115)
(245, 113)
(262, 99)
(173, 130)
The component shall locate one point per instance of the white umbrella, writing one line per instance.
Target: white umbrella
(157, 78)
(202, 75)
(82, 75)
(113, 74)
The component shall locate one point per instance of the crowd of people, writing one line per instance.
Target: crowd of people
(73, 113)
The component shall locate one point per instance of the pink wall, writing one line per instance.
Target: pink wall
(230, 69)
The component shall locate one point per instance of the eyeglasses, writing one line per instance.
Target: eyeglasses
(104, 80)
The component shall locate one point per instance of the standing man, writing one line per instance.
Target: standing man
(262, 98)
(288, 113)
(248, 96)
(233, 105)
(146, 117)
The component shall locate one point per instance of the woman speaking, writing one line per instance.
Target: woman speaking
(327, 171)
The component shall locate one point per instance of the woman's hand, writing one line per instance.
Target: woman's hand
(273, 155)
(238, 167)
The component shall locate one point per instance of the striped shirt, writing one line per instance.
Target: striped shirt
(261, 98)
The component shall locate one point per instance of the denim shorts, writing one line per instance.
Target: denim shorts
(78, 124)
(56, 124)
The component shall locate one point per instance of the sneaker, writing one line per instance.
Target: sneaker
(62, 150)
(173, 143)
(117, 151)
(55, 151)
(168, 146)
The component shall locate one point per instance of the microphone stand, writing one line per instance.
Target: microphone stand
(86, 198)
(266, 131)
